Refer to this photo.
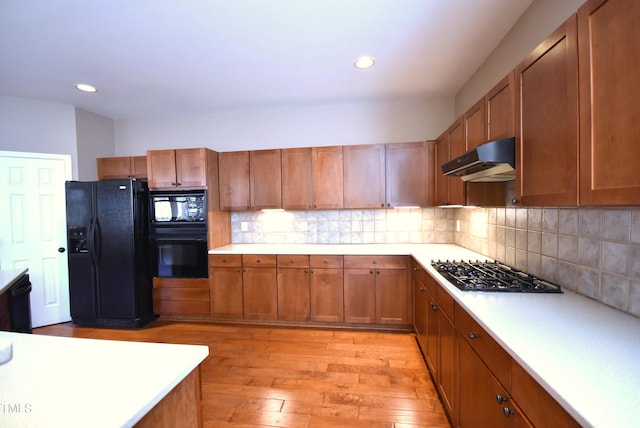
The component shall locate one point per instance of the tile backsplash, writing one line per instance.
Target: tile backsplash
(592, 251)
(393, 226)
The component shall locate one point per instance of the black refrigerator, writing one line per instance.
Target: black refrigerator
(107, 236)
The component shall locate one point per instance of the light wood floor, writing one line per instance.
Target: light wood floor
(259, 376)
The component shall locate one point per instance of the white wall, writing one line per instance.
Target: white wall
(536, 23)
(38, 127)
(285, 127)
(95, 139)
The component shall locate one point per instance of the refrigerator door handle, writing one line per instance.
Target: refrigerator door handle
(97, 241)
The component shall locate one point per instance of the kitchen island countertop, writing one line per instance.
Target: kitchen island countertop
(8, 277)
(73, 382)
(584, 353)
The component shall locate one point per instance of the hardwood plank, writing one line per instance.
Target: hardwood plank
(260, 376)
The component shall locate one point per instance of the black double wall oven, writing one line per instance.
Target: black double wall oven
(178, 234)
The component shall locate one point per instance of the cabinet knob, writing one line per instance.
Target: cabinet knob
(374, 262)
(508, 412)
(326, 262)
(257, 260)
(515, 201)
(292, 261)
(501, 399)
(224, 260)
(371, 272)
(377, 272)
(422, 289)
(472, 336)
(434, 307)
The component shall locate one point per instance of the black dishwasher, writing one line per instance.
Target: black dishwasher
(20, 305)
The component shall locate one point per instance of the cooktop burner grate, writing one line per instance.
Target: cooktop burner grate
(492, 276)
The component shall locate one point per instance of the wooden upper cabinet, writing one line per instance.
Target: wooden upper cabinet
(442, 182)
(265, 179)
(547, 151)
(457, 147)
(114, 168)
(609, 102)
(182, 168)
(327, 170)
(409, 174)
(234, 180)
(364, 176)
(500, 106)
(475, 125)
(297, 179)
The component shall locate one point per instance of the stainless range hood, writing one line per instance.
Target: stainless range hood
(489, 162)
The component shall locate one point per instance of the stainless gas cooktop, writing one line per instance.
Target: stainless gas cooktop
(492, 276)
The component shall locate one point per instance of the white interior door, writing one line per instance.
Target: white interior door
(33, 227)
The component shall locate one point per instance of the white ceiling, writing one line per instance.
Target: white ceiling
(172, 57)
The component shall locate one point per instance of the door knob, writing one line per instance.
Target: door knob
(61, 250)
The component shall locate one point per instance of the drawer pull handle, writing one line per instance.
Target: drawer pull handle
(472, 336)
(501, 398)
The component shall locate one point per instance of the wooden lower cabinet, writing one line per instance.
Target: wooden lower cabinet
(293, 287)
(376, 290)
(479, 383)
(478, 390)
(326, 289)
(181, 296)
(225, 282)
(259, 287)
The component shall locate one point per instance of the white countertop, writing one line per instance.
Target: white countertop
(585, 354)
(72, 382)
(8, 277)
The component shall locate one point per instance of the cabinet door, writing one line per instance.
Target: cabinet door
(297, 181)
(609, 89)
(161, 167)
(226, 292)
(265, 179)
(326, 290)
(442, 181)
(139, 166)
(359, 295)
(475, 125)
(293, 294)
(500, 109)
(114, 168)
(420, 305)
(260, 293)
(328, 177)
(392, 296)
(446, 360)
(477, 390)
(546, 154)
(457, 147)
(364, 176)
(409, 174)
(191, 168)
(233, 170)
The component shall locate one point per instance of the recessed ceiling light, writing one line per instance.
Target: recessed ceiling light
(85, 88)
(364, 62)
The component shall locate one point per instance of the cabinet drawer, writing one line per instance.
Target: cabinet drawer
(201, 283)
(540, 407)
(418, 271)
(225, 260)
(496, 358)
(292, 261)
(181, 307)
(326, 262)
(198, 294)
(259, 260)
(377, 262)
